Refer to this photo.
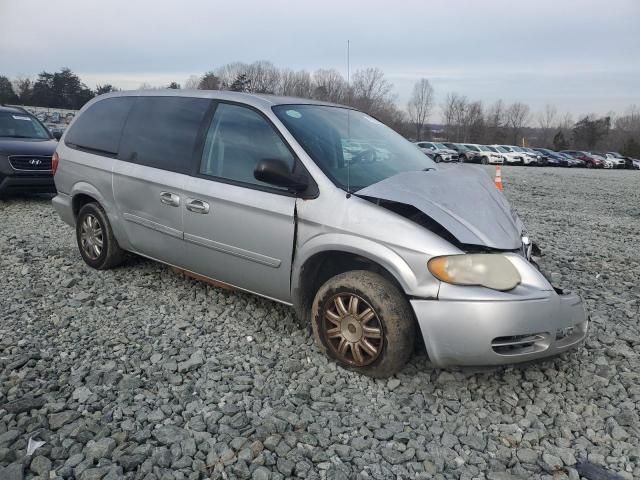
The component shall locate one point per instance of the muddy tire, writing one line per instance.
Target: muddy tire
(98, 247)
(363, 322)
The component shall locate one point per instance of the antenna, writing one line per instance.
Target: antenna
(348, 68)
(348, 118)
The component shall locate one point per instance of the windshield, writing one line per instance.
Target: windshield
(21, 125)
(352, 148)
(491, 149)
(473, 148)
(506, 149)
(440, 146)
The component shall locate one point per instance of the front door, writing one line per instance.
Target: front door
(237, 229)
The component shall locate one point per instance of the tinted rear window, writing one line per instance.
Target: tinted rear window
(100, 126)
(162, 132)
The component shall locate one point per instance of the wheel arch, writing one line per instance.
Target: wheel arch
(316, 265)
(83, 193)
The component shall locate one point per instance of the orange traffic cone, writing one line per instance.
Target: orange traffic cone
(498, 180)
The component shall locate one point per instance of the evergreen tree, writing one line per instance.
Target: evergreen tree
(559, 142)
(241, 84)
(7, 95)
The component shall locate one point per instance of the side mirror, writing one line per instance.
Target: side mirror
(276, 172)
(57, 134)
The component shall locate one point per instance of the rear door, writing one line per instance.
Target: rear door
(156, 154)
(237, 229)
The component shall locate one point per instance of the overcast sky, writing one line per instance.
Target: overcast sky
(581, 55)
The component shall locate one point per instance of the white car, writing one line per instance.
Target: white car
(490, 155)
(608, 162)
(528, 158)
(615, 158)
(438, 152)
(510, 155)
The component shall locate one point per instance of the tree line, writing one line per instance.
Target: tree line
(515, 124)
(463, 120)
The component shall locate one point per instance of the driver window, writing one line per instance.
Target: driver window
(237, 139)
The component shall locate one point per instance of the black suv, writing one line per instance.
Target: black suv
(26, 147)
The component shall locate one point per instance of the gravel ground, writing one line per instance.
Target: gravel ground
(140, 373)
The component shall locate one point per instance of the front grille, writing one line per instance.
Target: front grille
(520, 344)
(30, 162)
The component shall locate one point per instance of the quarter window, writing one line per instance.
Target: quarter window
(237, 139)
(99, 127)
(162, 132)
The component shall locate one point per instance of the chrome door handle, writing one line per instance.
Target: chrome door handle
(169, 198)
(197, 206)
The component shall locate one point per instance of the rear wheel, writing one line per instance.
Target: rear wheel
(364, 322)
(98, 247)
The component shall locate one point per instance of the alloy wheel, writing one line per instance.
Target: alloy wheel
(352, 329)
(91, 237)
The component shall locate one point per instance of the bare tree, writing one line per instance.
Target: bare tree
(460, 105)
(263, 77)
(447, 108)
(230, 72)
(547, 121)
(295, 84)
(518, 115)
(566, 122)
(495, 122)
(23, 87)
(420, 105)
(474, 122)
(369, 89)
(329, 85)
(192, 82)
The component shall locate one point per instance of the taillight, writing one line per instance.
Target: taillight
(54, 162)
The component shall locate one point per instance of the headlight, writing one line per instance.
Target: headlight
(489, 270)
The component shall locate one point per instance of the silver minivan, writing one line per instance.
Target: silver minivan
(320, 207)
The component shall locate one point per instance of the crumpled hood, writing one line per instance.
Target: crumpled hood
(462, 199)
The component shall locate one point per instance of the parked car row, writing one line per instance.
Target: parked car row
(514, 155)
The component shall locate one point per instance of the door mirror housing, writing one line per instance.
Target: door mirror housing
(276, 172)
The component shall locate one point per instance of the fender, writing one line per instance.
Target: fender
(376, 252)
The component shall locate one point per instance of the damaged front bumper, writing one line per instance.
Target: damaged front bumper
(486, 332)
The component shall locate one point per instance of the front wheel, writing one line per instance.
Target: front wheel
(438, 159)
(98, 247)
(463, 158)
(361, 320)
(485, 161)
